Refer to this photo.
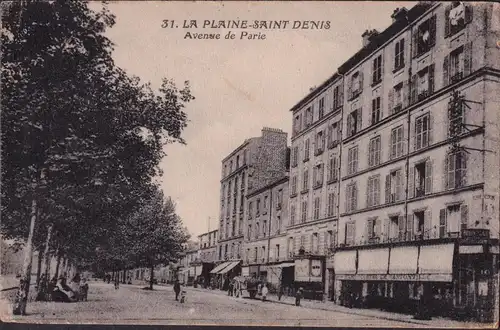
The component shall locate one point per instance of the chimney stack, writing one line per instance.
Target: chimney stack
(399, 14)
(367, 36)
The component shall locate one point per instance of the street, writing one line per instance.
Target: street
(131, 304)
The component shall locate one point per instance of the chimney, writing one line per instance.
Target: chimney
(399, 14)
(367, 36)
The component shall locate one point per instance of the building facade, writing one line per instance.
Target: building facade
(207, 254)
(256, 163)
(419, 168)
(265, 236)
(314, 185)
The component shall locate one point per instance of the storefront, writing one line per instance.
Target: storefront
(309, 274)
(447, 278)
(279, 275)
(225, 272)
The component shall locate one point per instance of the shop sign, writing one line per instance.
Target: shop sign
(475, 235)
(302, 270)
(316, 271)
(398, 277)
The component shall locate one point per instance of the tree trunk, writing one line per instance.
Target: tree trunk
(113, 275)
(21, 300)
(39, 268)
(46, 255)
(151, 277)
(124, 277)
(58, 265)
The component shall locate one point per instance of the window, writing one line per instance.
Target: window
(250, 210)
(422, 84)
(373, 192)
(350, 232)
(305, 180)
(337, 97)
(317, 202)
(314, 243)
(257, 211)
(456, 169)
(255, 254)
(294, 185)
(320, 143)
(295, 156)
(351, 197)
(398, 99)
(237, 161)
(352, 160)
(399, 55)
(277, 252)
(374, 152)
(397, 142)
(333, 135)
(354, 122)
(457, 16)
(425, 38)
(332, 169)
(376, 111)
(331, 204)
(422, 132)
(306, 150)
(394, 186)
(373, 229)
(265, 205)
(377, 70)
(456, 69)
(309, 115)
(279, 200)
(278, 224)
(329, 240)
(257, 230)
(356, 85)
(290, 247)
(264, 228)
(292, 215)
(321, 110)
(304, 211)
(421, 175)
(318, 175)
(419, 221)
(296, 124)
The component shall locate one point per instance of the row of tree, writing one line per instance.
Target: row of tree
(81, 144)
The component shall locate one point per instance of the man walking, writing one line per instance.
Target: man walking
(177, 289)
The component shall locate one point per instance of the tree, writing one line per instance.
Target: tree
(153, 235)
(75, 128)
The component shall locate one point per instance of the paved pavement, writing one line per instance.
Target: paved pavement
(131, 304)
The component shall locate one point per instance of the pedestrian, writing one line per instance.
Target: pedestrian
(298, 296)
(117, 282)
(230, 288)
(183, 293)
(264, 292)
(280, 292)
(177, 289)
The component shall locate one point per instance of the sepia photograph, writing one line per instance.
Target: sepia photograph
(250, 163)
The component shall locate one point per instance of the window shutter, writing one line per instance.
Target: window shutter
(442, 223)
(349, 88)
(468, 13)
(354, 198)
(468, 58)
(447, 24)
(349, 125)
(322, 173)
(429, 133)
(411, 182)
(360, 81)
(377, 190)
(446, 74)
(432, 30)
(402, 227)
(415, 42)
(369, 229)
(390, 104)
(463, 167)
(388, 188)
(386, 230)
(428, 176)
(431, 78)
(341, 96)
(368, 191)
(409, 226)
(370, 114)
(346, 199)
(359, 119)
(464, 215)
(413, 87)
(427, 224)
(404, 94)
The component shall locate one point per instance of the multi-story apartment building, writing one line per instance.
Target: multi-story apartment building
(207, 253)
(314, 188)
(265, 237)
(256, 163)
(419, 171)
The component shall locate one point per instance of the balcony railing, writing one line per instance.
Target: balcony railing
(422, 95)
(397, 108)
(456, 77)
(420, 191)
(332, 144)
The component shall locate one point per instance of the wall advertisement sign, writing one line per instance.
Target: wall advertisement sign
(307, 270)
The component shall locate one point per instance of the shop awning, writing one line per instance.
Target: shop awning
(436, 259)
(229, 267)
(345, 262)
(373, 261)
(198, 270)
(403, 260)
(284, 265)
(219, 268)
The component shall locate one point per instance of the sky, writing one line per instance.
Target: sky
(240, 86)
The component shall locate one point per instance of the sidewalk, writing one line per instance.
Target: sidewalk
(437, 322)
